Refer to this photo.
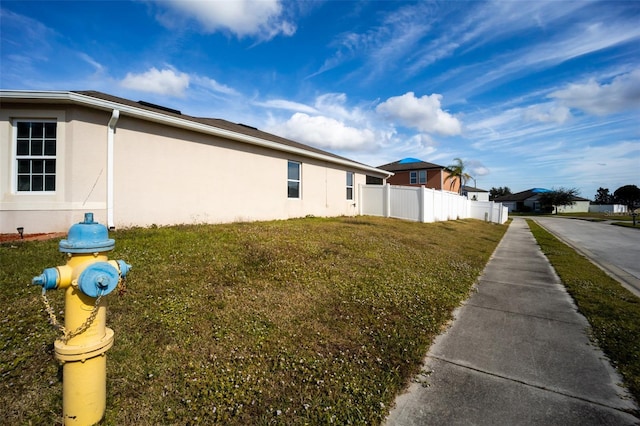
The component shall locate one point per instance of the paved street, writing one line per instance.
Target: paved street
(614, 248)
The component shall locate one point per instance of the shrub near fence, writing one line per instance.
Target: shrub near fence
(422, 204)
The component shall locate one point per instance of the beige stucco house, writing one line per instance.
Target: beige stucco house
(136, 164)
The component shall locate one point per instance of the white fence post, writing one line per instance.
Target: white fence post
(386, 196)
(421, 204)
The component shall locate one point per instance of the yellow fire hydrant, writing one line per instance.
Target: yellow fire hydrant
(86, 278)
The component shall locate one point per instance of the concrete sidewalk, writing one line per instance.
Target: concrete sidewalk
(516, 354)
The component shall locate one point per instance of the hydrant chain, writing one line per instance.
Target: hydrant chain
(66, 333)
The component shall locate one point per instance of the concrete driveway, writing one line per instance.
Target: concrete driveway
(615, 249)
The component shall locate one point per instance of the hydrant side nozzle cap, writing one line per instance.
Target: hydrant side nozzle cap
(87, 237)
(48, 279)
(124, 268)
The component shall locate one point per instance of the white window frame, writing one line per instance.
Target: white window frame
(350, 194)
(30, 157)
(297, 181)
(420, 179)
(413, 177)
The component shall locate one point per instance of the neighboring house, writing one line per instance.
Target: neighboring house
(136, 164)
(529, 201)
(414, 172)
(475, 194)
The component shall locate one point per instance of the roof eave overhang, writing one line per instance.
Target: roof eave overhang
(77, 98)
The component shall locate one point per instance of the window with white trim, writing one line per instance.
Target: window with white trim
(35, 145)
(293, 179)
(417, 176)
(422, 176)
(349, 185)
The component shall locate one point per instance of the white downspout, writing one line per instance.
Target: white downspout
(110, 140)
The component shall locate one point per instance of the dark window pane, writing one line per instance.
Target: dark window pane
(36, 147)
(293, 172)
(50, 147)
(37, 130)
(49, 183)
(22, 147)
(49, 130)
(37, 166)
(293, 190)
(50, 166)
(24, 166)
(37, 183)
(23, 183)
(349, 193)
(423, 176)
(23, 129)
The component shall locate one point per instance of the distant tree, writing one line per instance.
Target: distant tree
(498, 192)
(558, 197)
(603, 196)
(457, 172)
(629, 195)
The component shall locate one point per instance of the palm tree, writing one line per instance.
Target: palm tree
(456, 171)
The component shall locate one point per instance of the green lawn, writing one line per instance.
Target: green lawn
(306, 321)
(612, 310)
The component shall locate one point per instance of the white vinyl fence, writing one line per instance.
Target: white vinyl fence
(607, 208)
(422, 204)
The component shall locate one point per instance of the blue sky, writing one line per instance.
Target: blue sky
(527, 93)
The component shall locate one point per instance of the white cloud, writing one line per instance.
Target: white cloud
(476, 168)
(324, 132)
(424, 113)
(547, 113)
(212, 84)
(287, 105)
(602, 99)
(383, 45)
(569, 40)
(333, 105)
(88, 59)
(422, 140)
(163, 82)
(261, 18)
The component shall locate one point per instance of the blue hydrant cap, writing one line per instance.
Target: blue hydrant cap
(87, 237)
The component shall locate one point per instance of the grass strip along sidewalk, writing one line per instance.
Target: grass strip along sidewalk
(306, 321)
(612, 310)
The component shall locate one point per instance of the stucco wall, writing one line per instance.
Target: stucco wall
(80, 180)
(165, 175)
(162, 175)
